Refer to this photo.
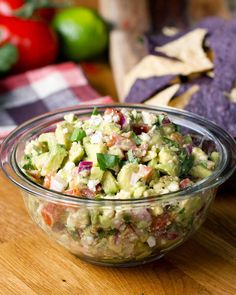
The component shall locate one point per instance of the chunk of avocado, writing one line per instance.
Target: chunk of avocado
(109, 128)
(116, 151)
(109, 183)
(156, 138)
(76, 152)
(96, 173)
(199, 155)
(105, 221)
(200, 172)
(63, 133)
(125, 174)
(92, 150)
(139, 191)
(169, 162)
(50, 162)
(215, 157)
(50, 139)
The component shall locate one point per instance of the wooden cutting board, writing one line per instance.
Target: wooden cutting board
(126, 50)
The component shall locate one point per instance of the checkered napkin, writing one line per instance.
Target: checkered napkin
(30, 94)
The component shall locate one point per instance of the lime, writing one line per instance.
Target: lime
(82, 32)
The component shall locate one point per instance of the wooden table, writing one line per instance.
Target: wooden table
(32, 264)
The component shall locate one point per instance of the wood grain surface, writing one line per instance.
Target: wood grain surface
(32, 264)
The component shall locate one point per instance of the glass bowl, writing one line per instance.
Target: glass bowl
(120, 232)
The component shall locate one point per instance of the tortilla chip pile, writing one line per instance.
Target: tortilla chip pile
(193, 70)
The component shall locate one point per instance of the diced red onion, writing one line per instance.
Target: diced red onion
(166, 121)
(189, 149)
(122, 119)
(85, 165)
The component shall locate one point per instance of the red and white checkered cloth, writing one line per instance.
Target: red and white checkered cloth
(30, 94)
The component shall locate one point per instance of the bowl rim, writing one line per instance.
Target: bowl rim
(225, 143)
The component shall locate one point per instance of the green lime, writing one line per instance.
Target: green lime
(82, 32)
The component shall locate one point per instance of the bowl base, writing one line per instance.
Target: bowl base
(121, 264)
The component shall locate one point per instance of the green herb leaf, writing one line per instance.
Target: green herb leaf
(8, 57)
(181, 211)
(186, 163)
(131, 158)
(136, 139)
(103, 234)
(127, 219)
(77, 135)
(170, 142)
(177, 127)
(95, 111)
(106, 161)
(28, 165)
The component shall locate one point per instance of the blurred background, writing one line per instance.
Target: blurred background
(37, 33)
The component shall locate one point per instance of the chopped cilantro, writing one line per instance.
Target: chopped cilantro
(103, 234)
(136, 139)
(106, 161)
(77, 135)
(177, 127)
(186, 163)
(28, 165)
(95, 111)
(182, 211)
(74, 235)
(127, 219)
(170, 142)
(203, 164)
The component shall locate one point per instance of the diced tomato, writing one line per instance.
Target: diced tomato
(51, 213)
(47, 181)
(160, 222)
(185, 183)
(140, 128)
(87, 193)
(112, 141)
(121, 142)
(145, 171)
(111, 111)
(47, 218)
(73, 192)
(35, 174)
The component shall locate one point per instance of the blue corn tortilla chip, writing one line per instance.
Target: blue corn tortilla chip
(211, 24)
(211, 102)
(223, 44)
(204, 80)
(152, 41)
(155, 40)
(144, 89)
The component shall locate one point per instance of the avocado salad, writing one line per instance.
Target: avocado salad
(118, 154)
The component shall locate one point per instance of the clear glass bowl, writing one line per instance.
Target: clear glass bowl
(136, 231)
